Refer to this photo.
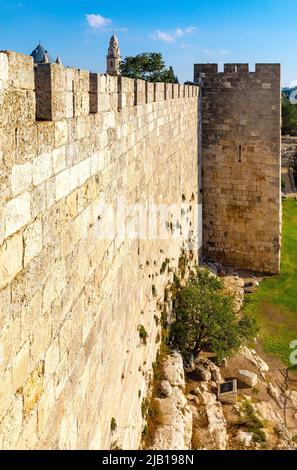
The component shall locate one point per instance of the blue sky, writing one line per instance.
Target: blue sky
(185, 32)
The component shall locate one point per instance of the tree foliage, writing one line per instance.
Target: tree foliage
(205, 320)
(148, 66)
(289, 117)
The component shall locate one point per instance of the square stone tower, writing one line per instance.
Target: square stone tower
(241, 155)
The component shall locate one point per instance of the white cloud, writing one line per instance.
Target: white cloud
(185, 45)
(171, 36)
(163, 36)
(97, 21)
(214, 53)
(190, 29)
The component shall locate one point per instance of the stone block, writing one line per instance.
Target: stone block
(20, 367)
(69, 105)
(52, 358)
(248, 378)
(42, 168)
(159, 91)
(62, 184)
(140, 92)
(59, 159)
(38, 199)
(6, 394)
(45, 137)
(81, 104)
(17, 107)
(46, 407)
(84, 171)
(21, 178)
(11, 425)
(17, 213)
(20, 71)
(32, 241)
(51, 94)
(61, 133)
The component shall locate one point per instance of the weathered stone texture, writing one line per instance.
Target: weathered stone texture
(71, 357)
(241, 165)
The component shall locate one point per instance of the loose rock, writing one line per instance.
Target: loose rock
(248, 378)
(166, 388)
(246, 438)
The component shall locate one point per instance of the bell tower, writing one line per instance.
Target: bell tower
(113, 57)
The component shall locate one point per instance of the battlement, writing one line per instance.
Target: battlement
(51, 92)
(204, 74)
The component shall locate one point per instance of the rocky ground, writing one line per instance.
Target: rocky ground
(264, 415)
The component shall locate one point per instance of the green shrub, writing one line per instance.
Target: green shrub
(143, 334)
(205, 320)
(252, 423)
(145, 407)
(289, 117)
(164, 265)
(113, 425)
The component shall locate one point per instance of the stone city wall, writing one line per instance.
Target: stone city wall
(73, 367)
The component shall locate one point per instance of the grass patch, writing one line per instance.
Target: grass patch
(275, 303)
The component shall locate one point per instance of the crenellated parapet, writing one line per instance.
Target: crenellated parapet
(51, 92)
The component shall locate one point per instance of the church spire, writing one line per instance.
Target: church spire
(114, 56)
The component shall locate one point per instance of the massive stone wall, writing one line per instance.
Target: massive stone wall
(241, 165)
(71, 303)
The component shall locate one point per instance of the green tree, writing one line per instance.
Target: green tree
(289, 117)
(147, 66)
(205, 320)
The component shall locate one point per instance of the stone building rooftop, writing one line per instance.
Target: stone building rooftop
(40, 55)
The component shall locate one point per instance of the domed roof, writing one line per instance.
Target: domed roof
(40, 55)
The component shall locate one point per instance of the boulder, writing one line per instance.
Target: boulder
(250, 287)
(217, 425)
(285, 441)
(175, 418)
(248, 378)
(255, 359)
(245, 438)
(174, 370)
(215, 374)
(202, 374)
(166, 388)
